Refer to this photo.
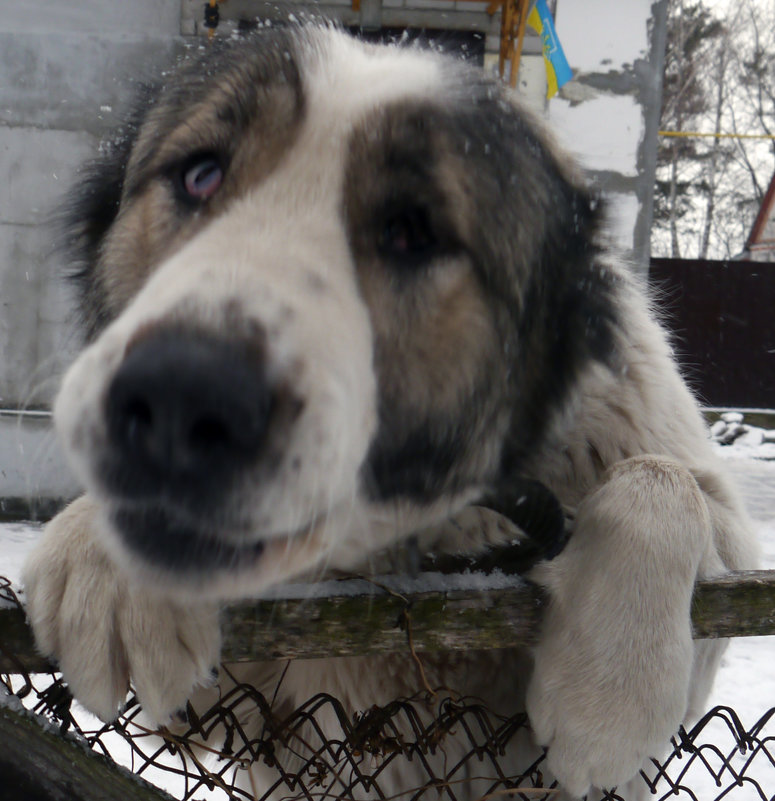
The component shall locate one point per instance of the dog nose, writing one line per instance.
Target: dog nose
(186, 405)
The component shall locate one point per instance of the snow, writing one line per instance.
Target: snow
(16, 540)
(598, 35)
(10, 701)
(614, 145)
(746, 681)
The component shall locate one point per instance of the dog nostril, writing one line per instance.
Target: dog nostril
(138, 421)
(208, 433)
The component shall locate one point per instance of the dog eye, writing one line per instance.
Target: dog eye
(407, 234)
(201, 177)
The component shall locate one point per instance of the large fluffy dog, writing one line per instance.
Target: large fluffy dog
(336, 294)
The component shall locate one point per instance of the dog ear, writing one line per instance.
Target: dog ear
(84, 223)
(539, 244)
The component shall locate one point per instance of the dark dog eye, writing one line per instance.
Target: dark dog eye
(201, 177)
(407, 234)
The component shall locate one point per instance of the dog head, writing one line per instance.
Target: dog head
(334, 292)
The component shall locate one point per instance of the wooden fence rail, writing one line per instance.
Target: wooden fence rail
(364, 617)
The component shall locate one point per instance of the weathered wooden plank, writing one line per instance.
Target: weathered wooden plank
(738, 605)
(741, 604)
(37, 762)
(377, 623)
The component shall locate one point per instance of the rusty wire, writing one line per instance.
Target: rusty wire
(349, 766)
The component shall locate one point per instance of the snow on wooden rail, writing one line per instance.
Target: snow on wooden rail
(359, 616)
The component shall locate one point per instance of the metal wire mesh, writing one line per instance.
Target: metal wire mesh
(210, 755)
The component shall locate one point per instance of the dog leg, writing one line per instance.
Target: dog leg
(103, 630)
(612, 669)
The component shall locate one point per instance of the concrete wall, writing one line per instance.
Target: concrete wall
(68, 69)
(609, 113)
(64, 68)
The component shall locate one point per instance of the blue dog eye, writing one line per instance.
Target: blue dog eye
(202, 178)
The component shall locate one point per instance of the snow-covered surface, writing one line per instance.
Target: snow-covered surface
(618, 36)
(746, 681)
(16, 539)
(614, 145)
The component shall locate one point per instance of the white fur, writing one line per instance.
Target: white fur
(616, 670)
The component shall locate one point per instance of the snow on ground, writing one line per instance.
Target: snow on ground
(746, 681)
(16, 539)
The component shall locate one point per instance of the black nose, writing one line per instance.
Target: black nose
(186, 408)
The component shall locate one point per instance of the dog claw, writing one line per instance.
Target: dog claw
(537, 512)
(534, 508)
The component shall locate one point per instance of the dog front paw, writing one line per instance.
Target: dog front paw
(595, 742)
(602, 706)
(612, 669)
(104, 631)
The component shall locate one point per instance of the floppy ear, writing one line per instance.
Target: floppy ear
(85, 221)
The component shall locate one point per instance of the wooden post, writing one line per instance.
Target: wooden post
(524, 8)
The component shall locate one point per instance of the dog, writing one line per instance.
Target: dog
(337, 294)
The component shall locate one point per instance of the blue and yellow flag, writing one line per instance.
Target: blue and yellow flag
(557, 70)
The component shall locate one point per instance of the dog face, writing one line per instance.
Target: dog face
(335, 293)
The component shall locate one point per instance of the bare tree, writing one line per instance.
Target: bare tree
(719, 80)
(719, 156)
(685, 99)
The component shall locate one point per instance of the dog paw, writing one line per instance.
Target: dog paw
(601, 707)
(104, 631)
(593, 745)
(613, 666)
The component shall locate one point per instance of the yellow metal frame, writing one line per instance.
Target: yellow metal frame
(513, 20)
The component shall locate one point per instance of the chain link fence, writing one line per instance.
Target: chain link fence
(303, 755)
